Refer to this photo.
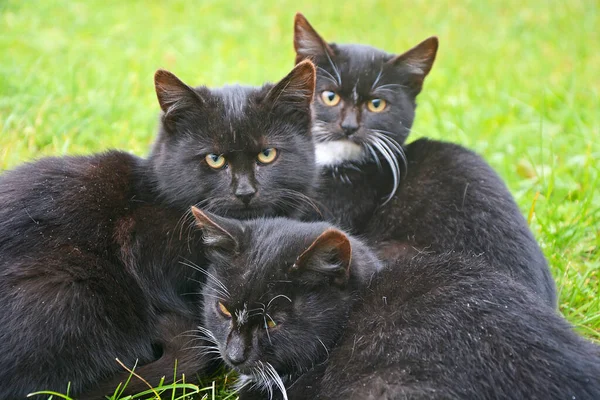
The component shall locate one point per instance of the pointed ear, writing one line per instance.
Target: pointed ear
(218, 232)
(174, 96)
(296, 89)
(327, 257)
(417, 61)
(307, 42)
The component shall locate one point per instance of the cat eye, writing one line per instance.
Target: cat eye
(330, 98)
(376, 105)
(271, 324)
(224, 310)
(267, 156)
(215, 161)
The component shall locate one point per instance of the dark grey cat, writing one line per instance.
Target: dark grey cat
(427, 196)
(91, 247)
(305, 311)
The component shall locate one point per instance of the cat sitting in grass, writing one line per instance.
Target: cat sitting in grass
(425, 196)
(306, 311)
(97, 260)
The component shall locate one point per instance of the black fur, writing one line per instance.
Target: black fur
(441, 326)
(91, 247)
(451, 200)
(294, 274)
(447, 327)
(427, 196)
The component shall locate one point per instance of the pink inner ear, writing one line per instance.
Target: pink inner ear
(202, 221)
(201, 218)
(329, 240)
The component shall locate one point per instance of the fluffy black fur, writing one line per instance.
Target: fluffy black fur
(301, 277)
(443, 326)
(427, 196)
(447, 327)
(91, 248)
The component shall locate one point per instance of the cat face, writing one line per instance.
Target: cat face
(277, 294)
(364, 99)
(235, 150)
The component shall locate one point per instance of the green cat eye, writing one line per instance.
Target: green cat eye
(267, 156)
(215, 161)
(330, 98)
(376, 105)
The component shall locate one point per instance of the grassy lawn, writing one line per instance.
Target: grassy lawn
(517, 81)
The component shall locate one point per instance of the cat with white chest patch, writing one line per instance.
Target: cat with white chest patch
(425, 196)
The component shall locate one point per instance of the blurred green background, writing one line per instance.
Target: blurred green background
(518, 81)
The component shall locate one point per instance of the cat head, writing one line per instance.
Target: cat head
(235, 150)
(364, 98)
(278, 291)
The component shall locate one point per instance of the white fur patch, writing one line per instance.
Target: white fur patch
(338, 152)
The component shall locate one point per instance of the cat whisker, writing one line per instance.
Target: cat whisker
(214, 296)
(242, 382)
(394, 145)
(214, 279)
(373, 153)
(333, 66)
(264, 308)
(276, 297)
(392, 85)
(267, 328)
(387, 153)
(326, 350)
(188, 219)
(263, 380)
(300, 198)
(209, 336)
(277, 380)
(215, 290)
(327, 75)
(378, 78)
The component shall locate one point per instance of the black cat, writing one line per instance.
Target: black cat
(427, 196)
(305, 311)
(91, 247)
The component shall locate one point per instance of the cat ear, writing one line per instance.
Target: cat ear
(218, 232)
(307, 42)
(297, 88)
(174, 96)
(329, 255)
(417, 61)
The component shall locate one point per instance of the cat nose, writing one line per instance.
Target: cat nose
(349, 129)
(236, 350)
(245, 194)
(235, 355)
(349, 122)
(244, 190)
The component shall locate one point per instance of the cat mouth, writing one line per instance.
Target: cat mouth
(250, 211)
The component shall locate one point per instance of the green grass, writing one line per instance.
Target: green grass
(519, 83)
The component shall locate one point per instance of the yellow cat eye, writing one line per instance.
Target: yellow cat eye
(267, 156)
(271, 324)
(330, 98)
(224, 310)
(215, 161)
(376, 105)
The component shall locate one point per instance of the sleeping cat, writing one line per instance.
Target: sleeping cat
(426, 196)
(305, 311)
(91, 248)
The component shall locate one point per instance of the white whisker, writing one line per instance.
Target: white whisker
(279, 295)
